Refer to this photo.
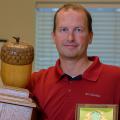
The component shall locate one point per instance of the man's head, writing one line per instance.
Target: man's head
(72, 31)
(76, 7)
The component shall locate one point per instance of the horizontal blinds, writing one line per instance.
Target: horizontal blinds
(45, 52)
(106, 41)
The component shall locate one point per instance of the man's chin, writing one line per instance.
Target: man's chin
(69, 56)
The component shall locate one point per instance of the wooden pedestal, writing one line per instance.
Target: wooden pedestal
(15, 104)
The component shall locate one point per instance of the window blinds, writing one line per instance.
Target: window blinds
(106, 40)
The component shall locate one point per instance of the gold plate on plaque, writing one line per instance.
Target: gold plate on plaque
(97, 112)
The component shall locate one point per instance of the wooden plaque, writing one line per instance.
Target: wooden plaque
(96, 112)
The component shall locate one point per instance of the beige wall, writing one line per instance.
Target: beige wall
(79, 1)
(17, 18)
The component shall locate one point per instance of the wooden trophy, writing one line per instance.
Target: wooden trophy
(16, 67)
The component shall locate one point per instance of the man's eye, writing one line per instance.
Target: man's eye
(77, 29)
(63, 30)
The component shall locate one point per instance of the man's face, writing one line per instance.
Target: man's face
(71, 35)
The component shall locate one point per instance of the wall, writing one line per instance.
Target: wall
(17, 18)
(96, 1)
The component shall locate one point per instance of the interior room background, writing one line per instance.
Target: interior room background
(32, 21)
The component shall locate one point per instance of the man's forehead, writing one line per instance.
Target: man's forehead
(70, 10)
(71, 18)
(72, 13)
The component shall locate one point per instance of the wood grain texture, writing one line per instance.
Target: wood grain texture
(14, 112)
(16, 96)
(14, 91)
(15, 107)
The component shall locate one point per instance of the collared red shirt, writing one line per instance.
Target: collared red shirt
(57, 95)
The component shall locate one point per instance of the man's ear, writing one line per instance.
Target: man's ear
(90, 37)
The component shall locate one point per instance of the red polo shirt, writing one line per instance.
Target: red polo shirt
(57, 94)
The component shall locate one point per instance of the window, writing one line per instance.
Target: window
(106, 41)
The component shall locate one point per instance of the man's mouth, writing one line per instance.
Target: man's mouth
(71, 45)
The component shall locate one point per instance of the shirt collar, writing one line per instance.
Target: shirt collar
(94, 70)
(79, 77)
(92, 73)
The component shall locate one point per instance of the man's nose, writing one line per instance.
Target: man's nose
(71, 36)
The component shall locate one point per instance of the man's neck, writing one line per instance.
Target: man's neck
(75, 67)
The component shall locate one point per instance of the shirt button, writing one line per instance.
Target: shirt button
(69, 90)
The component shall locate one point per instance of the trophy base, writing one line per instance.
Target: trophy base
(15, 104)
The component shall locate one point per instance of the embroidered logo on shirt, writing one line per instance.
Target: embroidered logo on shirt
(93, 94)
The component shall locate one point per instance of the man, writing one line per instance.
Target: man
(76, 78)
